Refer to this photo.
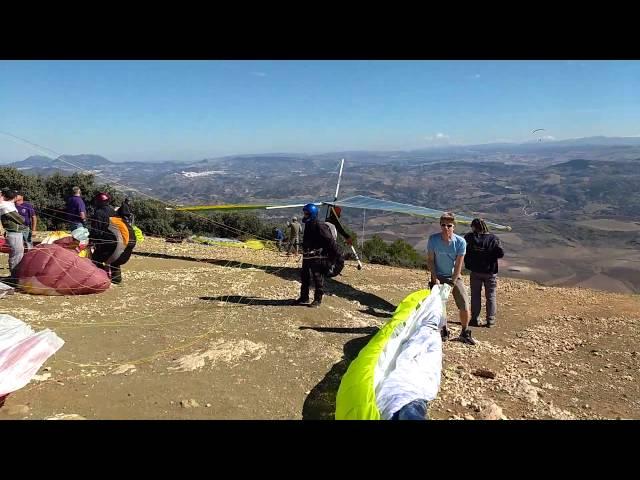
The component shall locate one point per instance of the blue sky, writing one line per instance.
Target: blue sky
(189, 110)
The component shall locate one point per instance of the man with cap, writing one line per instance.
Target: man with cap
(295, 229)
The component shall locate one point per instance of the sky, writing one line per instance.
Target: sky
(190, 110)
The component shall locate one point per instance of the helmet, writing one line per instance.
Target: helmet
(102, 198)
(312, 210)
(294, 219)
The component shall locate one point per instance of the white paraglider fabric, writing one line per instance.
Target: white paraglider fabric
(22, 352)
(413, 370)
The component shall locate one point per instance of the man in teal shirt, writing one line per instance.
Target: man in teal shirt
(445, 257)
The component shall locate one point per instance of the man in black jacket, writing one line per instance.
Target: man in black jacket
(319, 252)
(113, 238)
(483, 252)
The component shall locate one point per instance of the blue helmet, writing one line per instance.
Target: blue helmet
(312, 210)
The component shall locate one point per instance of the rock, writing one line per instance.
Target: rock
(14, 410)
(65, 416)
(627, 377)
(464, 402)
(123, 368)
(42, 378)
(208, 405)
(469, 417)
(484, 373)
(191, 403)
(492, 412)
(534, 380)
(527, 392)
(560, 414)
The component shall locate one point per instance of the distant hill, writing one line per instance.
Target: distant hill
(63, 162)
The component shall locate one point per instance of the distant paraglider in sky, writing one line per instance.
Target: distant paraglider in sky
(538, 130)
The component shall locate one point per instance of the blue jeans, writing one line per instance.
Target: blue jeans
(27, 238)
(416, 410)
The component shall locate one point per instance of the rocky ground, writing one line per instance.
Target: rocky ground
(199, 332)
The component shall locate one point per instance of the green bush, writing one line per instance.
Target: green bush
(398, 253)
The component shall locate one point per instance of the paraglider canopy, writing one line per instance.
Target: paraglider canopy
(538, 130)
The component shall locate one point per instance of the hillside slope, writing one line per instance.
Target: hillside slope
(199, 332)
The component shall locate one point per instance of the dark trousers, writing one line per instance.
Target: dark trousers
(490, 282)
(311, 268)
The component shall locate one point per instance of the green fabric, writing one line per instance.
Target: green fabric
(356, 395)
(138, 233)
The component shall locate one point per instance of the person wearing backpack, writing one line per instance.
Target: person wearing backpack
(483, 251)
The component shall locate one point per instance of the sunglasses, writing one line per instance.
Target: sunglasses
(446, 225)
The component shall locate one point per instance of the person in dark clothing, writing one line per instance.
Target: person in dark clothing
(319, 252)
(125, 211)
(76, 211)
(28, 213)
(279, 238)
(112, 238)
(483, 252)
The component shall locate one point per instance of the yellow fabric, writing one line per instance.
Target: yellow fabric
(356, 398)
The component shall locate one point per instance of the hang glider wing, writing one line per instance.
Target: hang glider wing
(369, 203)
(237, 207)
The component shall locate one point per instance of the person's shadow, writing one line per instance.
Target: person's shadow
(320, 404)
(332, 286)
(239, 299)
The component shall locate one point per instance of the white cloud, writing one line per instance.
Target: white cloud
(438, 139)
(259, 74)
(477, 75)
(548, 137)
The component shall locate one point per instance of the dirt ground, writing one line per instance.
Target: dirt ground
(200, 332)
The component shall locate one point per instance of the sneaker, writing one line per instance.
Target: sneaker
(474, 322)
(465, 337)
(444, 333)
(491, 322)
(315, 304)
(300, 301)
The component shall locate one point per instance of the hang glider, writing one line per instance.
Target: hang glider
(359, 201)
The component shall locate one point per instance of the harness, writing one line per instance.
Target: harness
(313, 254)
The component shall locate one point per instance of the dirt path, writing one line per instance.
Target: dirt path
(211, 337)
